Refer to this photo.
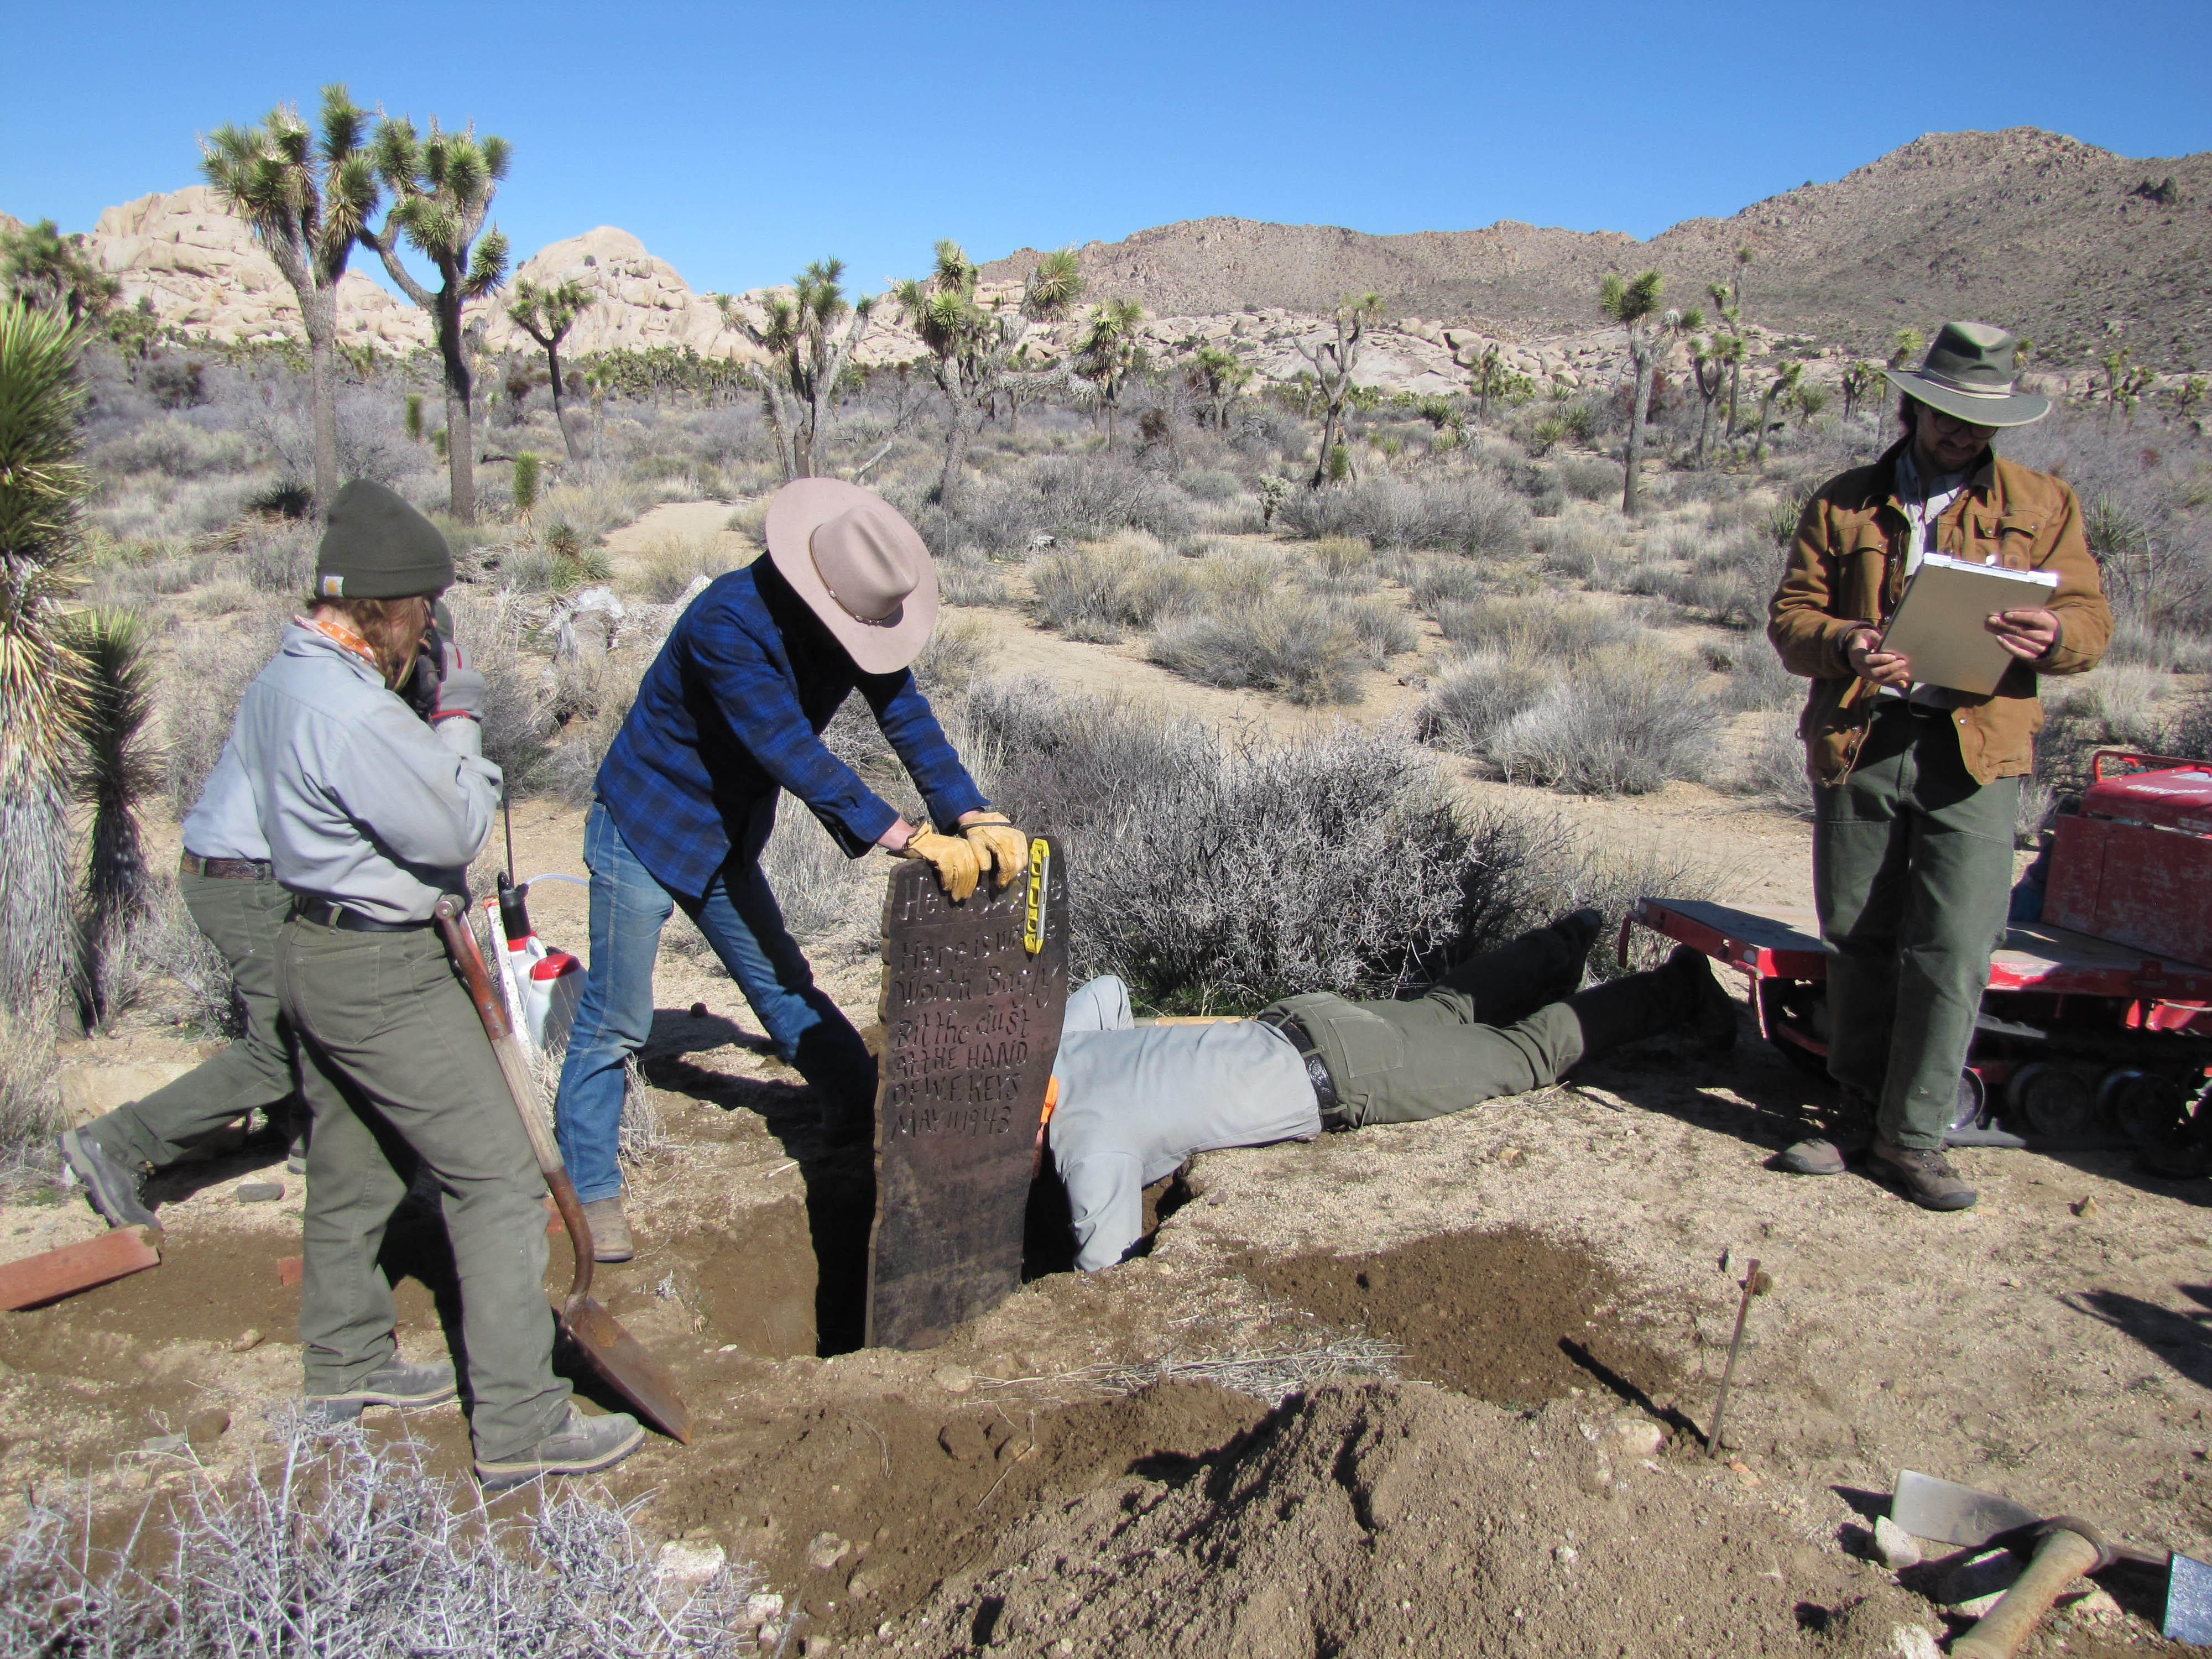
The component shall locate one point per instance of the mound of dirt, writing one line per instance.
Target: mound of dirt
(1507, 1316)
(1396, 1517)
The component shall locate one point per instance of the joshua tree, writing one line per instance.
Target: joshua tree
(41, 675)
(1109, 349)
(1485, 376)
(441, 188)
(1860, 377)
(1635, 306)
(970, 344)
(546, 315)
(1905, 347)
(42, 267)
(1220, 374)
(114, 772)
(1786, 380)
(306, 198)
(808, 353)
(1334, 363)
(1712, 363)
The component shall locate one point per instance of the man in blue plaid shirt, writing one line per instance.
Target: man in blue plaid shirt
(729, 716)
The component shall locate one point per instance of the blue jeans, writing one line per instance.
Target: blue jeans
(739, 916)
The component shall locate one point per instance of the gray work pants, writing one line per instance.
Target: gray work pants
(1496, 1026)
(394, 1061)
(241, 918)
(1911, 874)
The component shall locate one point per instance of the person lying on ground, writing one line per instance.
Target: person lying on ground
(372, 817)
(234, 899)
(1131, 1102)
(728, 718)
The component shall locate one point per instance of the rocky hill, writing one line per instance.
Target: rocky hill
(2052, 236)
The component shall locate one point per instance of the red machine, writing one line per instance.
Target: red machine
(2097, 1026)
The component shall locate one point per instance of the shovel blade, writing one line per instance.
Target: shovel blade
(1946, 1512)
(2189, 1602)
(628, 1369)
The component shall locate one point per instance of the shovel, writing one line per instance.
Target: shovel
(2065, 1548)
(614, 1353)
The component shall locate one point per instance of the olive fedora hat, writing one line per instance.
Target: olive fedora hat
(1968, 374)
(859, 567)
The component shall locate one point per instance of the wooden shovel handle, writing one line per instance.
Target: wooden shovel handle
(521, 1084)
(2063, 1557)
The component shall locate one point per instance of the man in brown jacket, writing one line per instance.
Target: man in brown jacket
(1916, 787)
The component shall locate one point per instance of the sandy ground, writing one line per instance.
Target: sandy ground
(1560, 1272)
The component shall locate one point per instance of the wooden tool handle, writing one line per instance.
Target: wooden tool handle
(2061, 1558)
(521, 1084)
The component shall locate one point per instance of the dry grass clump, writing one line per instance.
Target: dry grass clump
(1303, 648)
(589, 699)
(351, 1547)
(967, 575)
(1770, 767)
(1466, 515)
(30, 1104)
(1100, 590)
(493, 631)
(1625, 722)
(1537, 626)
(673, 563)
(1064, 497)
(209, 671)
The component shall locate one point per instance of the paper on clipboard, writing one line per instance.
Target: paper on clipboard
(1938, 624)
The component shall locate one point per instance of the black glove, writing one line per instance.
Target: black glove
(420, 689)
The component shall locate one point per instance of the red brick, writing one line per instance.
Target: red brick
(74, 1267)
(288, 1269)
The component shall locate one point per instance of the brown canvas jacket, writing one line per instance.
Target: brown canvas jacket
(1847, 568)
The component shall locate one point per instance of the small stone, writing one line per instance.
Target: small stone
(205, 1428)
(1894, 1546)
(259, 1192)
(762, 1605)
(954, 1380)
(685, 1561)
(698, 1011)
(164, 1445)
(825, 1551)
(1745, 1473)
(1910, 1641)
(1566, 1555)
(248, 1339)
(2097, 1606)
(2085, 1209)
(1637, 1436)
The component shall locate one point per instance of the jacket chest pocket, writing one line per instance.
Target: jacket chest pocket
(2008, 541)
(1864, 565)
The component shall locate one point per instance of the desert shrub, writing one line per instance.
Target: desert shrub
(1231, 573)
(1626, 721)
(1541, 626)
(208, 672)
(1589, 479)
(823, 894)
(589, 699)
(1204, 485)
(1758, 680)
(674, 562)
(1281, 642)
(176, 448)
(967, 576)
(2174, 650)
(1771, 767)
(1067, 497)
(959, 652)
(168, 942)
(1383, 629)
(281, 560)
(1463, 514)
(1446, 580)
(1099, 591)
(30, 1104)
(1474, 698)
(2115, 703)
(353, 1546)
(491, 631)
(2192, 728)
(1570, 548)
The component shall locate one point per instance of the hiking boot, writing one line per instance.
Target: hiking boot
(1922, 1174)
(1831, 1152)
(1580, 931)
(395, 1382)
(1712, 1012)
(609, 1229)
(582, 1446)
(116, 1193)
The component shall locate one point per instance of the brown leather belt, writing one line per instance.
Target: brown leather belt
(227, 869)
(1333, 1114)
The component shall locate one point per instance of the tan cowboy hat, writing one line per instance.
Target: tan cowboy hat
(1968, 374)
(858, 566)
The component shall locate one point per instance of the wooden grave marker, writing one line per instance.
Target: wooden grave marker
(974, 994)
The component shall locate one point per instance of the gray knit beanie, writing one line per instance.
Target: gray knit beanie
(377, 547)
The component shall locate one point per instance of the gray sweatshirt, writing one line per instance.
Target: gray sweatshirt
(1136, 1101)
(361, 803)
(224, 823)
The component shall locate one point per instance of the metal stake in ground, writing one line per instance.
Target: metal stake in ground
(1755, 1283)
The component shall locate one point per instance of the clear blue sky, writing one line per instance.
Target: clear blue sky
(739, 141)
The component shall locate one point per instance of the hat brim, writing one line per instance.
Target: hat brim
(2018, 409)
(802, 506)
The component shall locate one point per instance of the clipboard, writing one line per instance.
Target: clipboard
(1938, 624)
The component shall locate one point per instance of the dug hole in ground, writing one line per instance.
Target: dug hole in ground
(1427, 1388)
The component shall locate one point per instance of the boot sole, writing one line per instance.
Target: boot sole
(130, 1211)
(500, 1477)
(404, 1402)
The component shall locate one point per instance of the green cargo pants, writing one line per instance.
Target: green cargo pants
(1911, 874)
(395, 1068)
(241, 918)
(1496, 1026)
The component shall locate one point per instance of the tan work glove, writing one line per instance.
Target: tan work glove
(996, 841)
(953, 860)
